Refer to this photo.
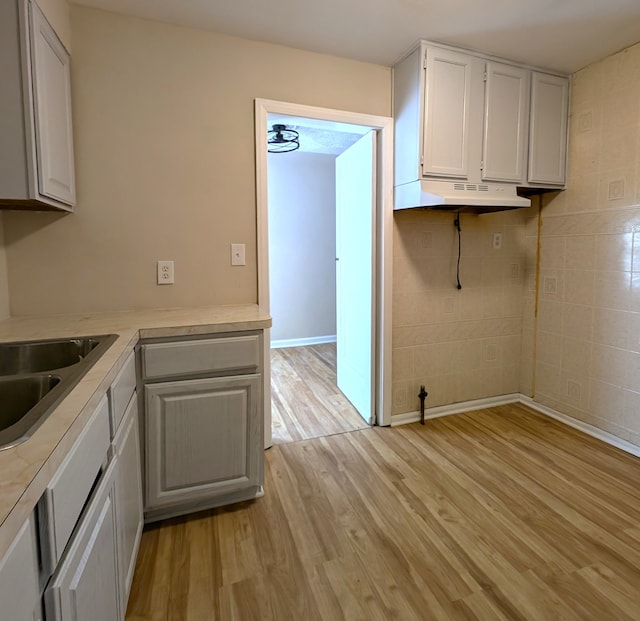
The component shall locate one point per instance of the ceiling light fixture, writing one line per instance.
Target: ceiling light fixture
(281, 140)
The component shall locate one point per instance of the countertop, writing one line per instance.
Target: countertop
(26, 469)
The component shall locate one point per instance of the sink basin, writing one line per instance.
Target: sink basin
(35, 357)
(19, 394)
(35, 376)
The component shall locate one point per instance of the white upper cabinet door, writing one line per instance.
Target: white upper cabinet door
(52, 103)
(506, 122)
(447, 113)
(548, 129)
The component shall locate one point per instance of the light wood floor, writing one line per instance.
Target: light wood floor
(305, 400)
(499, 514)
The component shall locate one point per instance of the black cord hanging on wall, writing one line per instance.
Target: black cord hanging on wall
(282, 140)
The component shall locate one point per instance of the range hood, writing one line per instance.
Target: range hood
(459, 196)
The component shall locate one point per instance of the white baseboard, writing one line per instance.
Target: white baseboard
(590, 430)
(311, 340)
(480, 404)
(455, 408)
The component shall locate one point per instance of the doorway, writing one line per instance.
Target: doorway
(380, 129)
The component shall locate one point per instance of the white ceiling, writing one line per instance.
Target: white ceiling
(324, 137)
(564, 35)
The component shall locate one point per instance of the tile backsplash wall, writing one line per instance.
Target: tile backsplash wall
(555, 313)
(461, 344)
(588, 328)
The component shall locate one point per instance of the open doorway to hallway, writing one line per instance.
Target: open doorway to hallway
(315, 281)
(380, 129)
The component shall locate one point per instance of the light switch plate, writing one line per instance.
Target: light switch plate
(238, 254)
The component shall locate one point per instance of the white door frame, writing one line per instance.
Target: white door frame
(384, 237)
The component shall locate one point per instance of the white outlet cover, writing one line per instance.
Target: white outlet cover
(165, 273)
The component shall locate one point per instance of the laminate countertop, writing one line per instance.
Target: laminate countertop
(26, 470)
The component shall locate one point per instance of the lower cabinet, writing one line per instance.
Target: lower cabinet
(91, 513)
(19, 594)
(85, 585)
(203, 443)
(128, 486)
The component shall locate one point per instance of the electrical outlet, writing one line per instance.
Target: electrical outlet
(165, 272)
(238, 254)
(497, 241)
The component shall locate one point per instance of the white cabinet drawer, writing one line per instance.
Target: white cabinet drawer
(85, 585)
(201, 356)
(67, 492)
(120, 392)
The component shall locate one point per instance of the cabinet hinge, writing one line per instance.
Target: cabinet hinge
(424, 62)
(485, 76)
(481, 165)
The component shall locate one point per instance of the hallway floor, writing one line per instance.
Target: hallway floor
(305, 400)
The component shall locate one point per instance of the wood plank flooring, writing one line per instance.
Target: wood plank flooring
(496, 514)
(305, 400)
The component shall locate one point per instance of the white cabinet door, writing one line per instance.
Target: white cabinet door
(447, 113)
(128, 498)
(548, 129)
(506, 122)
(203, 439)
(19, 595)
(85, 586)
(52, 103)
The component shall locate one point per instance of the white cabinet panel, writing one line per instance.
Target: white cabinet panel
(52, 102)
(548, 130)
(85, 586)
(505, 123)
(203, 438)
(221, 354)
(447, 113)
(128, 498)
(19, 595)
(120, 392)
(67, 492)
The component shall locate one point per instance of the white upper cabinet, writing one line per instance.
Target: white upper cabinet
(36, 151)
(548, 129)
(51, 77)
(506, 110)
(447, 113)
(465, 116)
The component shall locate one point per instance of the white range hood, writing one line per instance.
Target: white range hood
(459, 196)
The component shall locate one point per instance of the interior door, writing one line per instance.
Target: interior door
(355, 295)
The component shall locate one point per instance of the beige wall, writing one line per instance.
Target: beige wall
(164, 140)
(58, 15)
(588, 328)
(461, 344)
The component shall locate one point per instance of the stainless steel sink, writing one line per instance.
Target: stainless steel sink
(19, 394)
(36, 375)
(35, 357)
